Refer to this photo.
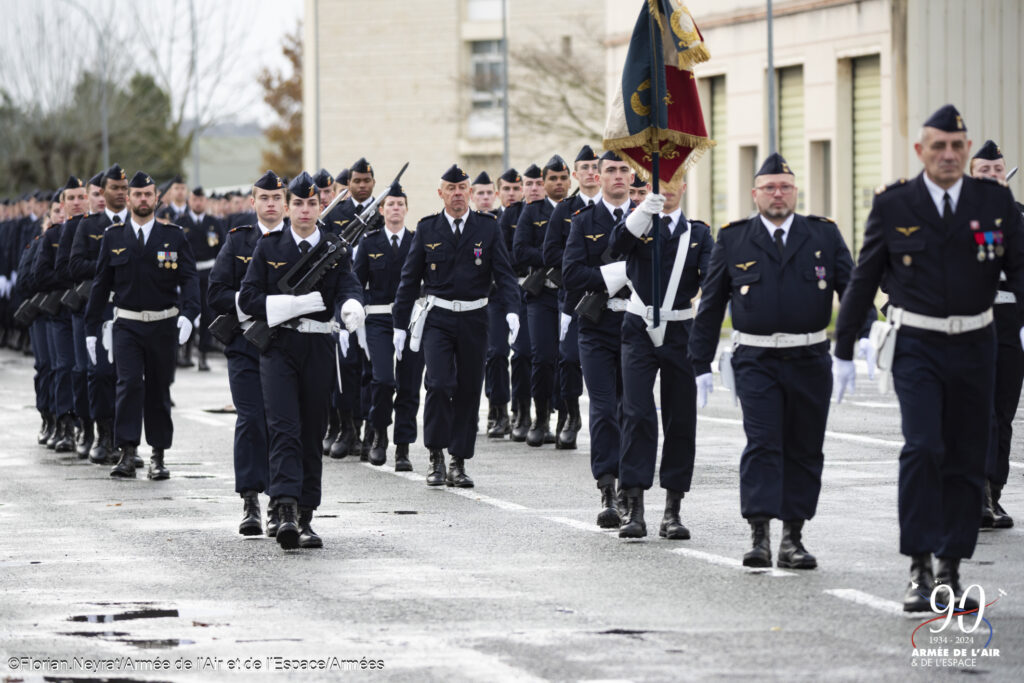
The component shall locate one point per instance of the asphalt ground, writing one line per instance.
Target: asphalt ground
(104, 579)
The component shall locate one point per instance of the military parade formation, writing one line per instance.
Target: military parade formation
(335, 313)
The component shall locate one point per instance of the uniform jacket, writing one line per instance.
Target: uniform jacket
(379, 267)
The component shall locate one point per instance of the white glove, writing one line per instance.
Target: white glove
(1022, 337)
(705, 386)
(640, 220)
(107, 339)
(184, 329)
(90, 348)
(242, 315)
(870, 355)
(513, 327)
(399, 340)
(614, 276)
(283, 307)
(845, 373)
(4, 286)
(361, 339)
(564, 321)
(14, 277)
(352, 314)
(344, 342)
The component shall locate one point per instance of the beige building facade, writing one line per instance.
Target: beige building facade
(420, 80)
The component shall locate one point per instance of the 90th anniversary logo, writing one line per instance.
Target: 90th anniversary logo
(959, 647)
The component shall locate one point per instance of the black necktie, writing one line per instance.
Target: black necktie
(142, 240)
(303, 246)
(947, 207)
(458, 228)
(590, 202)
(617, 214)
(359, 209)
(394, 242)
(778, 241)
(666, 222)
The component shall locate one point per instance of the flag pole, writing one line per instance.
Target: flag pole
(656, 70)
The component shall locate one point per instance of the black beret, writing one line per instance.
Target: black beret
(267, 181)
(455, 175)
(198, 191)
(323, 178)
(556, 164)
(638, 182)
(947, 119)
(177, 180)
(97, 179)
(989, 151)
(532, 171)
(511, 176)
(362, 166)
(73, 183)
(774, 164)
(115, 172)
(610, 156)
(396, 191)
(342, 177)
(303, 186)
(140, 179)
(586, 154)
(483, 179)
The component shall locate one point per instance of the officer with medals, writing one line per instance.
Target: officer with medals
(778, 272)
(296, 368)
(455, 255)
(145, 264)
(395, 387)
(989, 163)
(251, 460)
(939, 243)
(205, 235)
(570, 377)
(647, 350)
(82, 261)
(542, 305)
(587, 260)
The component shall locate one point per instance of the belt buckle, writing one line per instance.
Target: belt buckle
(956, 325)
(145, 316)
(457, 306)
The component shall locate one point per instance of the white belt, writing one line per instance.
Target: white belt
(246, 324)
(617, 304)
(145, 316)
(378, 309)
(456, 306)
(780, 340)
(1004, 297)
(205, 265)
(667, 315)
(954, 324)
(307, 326)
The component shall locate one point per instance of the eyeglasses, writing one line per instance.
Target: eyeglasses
(772, 189)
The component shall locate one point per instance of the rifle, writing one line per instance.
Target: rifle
(50, 304)
(1012, 173)
(77, 297)
(555, 275)
(592, 306)
(29, 310)
(305, 275)
(534, 282)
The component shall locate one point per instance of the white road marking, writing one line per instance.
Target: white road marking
(839, 436)
(581, 526)
(728, 562)
(890, 607)
(465, 493)
(204, 418)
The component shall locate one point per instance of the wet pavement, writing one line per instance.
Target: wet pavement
(104, 579)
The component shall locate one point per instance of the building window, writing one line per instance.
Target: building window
(487, 75)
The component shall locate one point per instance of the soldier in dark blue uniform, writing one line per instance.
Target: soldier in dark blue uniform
(145, 264)
(395, 387)
(497, 385)
(779, 271)
(325, 185)
(251, 460)
(482, 195)
(296, 370)
(25, 288)
(638, 189)
(647, 350)
(82, 261)
(455, 254)
(521, 189)
(206, 235)
(920, 234)
(542, 307)
(586, 262)
(570, 377)
(989, 163)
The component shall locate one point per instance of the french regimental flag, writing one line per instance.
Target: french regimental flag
(658, 108)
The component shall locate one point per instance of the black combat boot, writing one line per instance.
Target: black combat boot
(919, 591)
(185, 355)
(402, 463)
(203, 365)
(948, 574)
(760, 555)
(987, 515)
(366, 443)
(273, 519)
(609, 517)
(792, 554)
(437, 475)
(307, 537)
(1000, 518)
(634, 526)
(549, 436)
(46, 429)
(671, 527)
(492, 414)
(572, 426)
(333, 427)
(85, 439)
(125, 467)
(288, 528)
(457, 476)
(521, 427)
(157, 471)
(541, 423)
(501, 427)
(251, 524)
(620, 502)
(139, 462)
(54, 433)
(342, 445)
(65, 439)
(379, 449)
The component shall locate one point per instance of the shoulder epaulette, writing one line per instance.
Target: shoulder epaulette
(269, 234)
(536, 201)
(241, 227)
(588, 207)
(488, 214)
(428, 217)
(700, 222)
(1001, 183)
(823, 219)
(882, 188)
(732, 223)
